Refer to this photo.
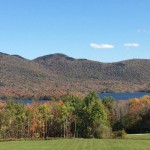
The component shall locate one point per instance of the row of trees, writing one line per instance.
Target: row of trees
(134, 116)
(71, 116)
(66, 117)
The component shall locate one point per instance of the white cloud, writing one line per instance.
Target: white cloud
(131, 45)
(101, 46)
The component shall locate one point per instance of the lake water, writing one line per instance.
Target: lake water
(27, 101)
(116, 96)
(124, 96)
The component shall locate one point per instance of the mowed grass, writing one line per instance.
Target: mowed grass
(77, 144)
(138, 136)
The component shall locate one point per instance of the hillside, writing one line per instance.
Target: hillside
(56, 74)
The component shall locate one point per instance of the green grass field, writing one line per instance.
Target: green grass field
(77, 144)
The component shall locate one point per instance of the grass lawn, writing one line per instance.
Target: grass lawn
(138, 136)
(77, 144)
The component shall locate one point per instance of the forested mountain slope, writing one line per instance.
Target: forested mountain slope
(56, 74)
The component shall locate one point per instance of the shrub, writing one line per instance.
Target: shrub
(120, 134)
(103, 132)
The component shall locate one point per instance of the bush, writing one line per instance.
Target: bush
(103, 132)
(120, 134)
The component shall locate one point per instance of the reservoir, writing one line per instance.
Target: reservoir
(124, 96)
(116, 96)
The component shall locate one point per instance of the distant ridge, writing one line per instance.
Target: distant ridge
(54, 56)
(56, 74)
(3, 53)
(19, 56)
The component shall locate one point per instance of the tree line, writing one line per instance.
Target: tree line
(73, 116)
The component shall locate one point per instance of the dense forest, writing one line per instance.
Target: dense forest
(57, 74)
(74, 116)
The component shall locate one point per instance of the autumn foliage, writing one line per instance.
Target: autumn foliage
(71, 116)
(68, 116)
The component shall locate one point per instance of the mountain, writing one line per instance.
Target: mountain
(56, 74)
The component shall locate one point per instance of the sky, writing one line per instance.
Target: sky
(101, 30)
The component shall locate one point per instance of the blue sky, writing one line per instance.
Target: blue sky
(101, 30)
